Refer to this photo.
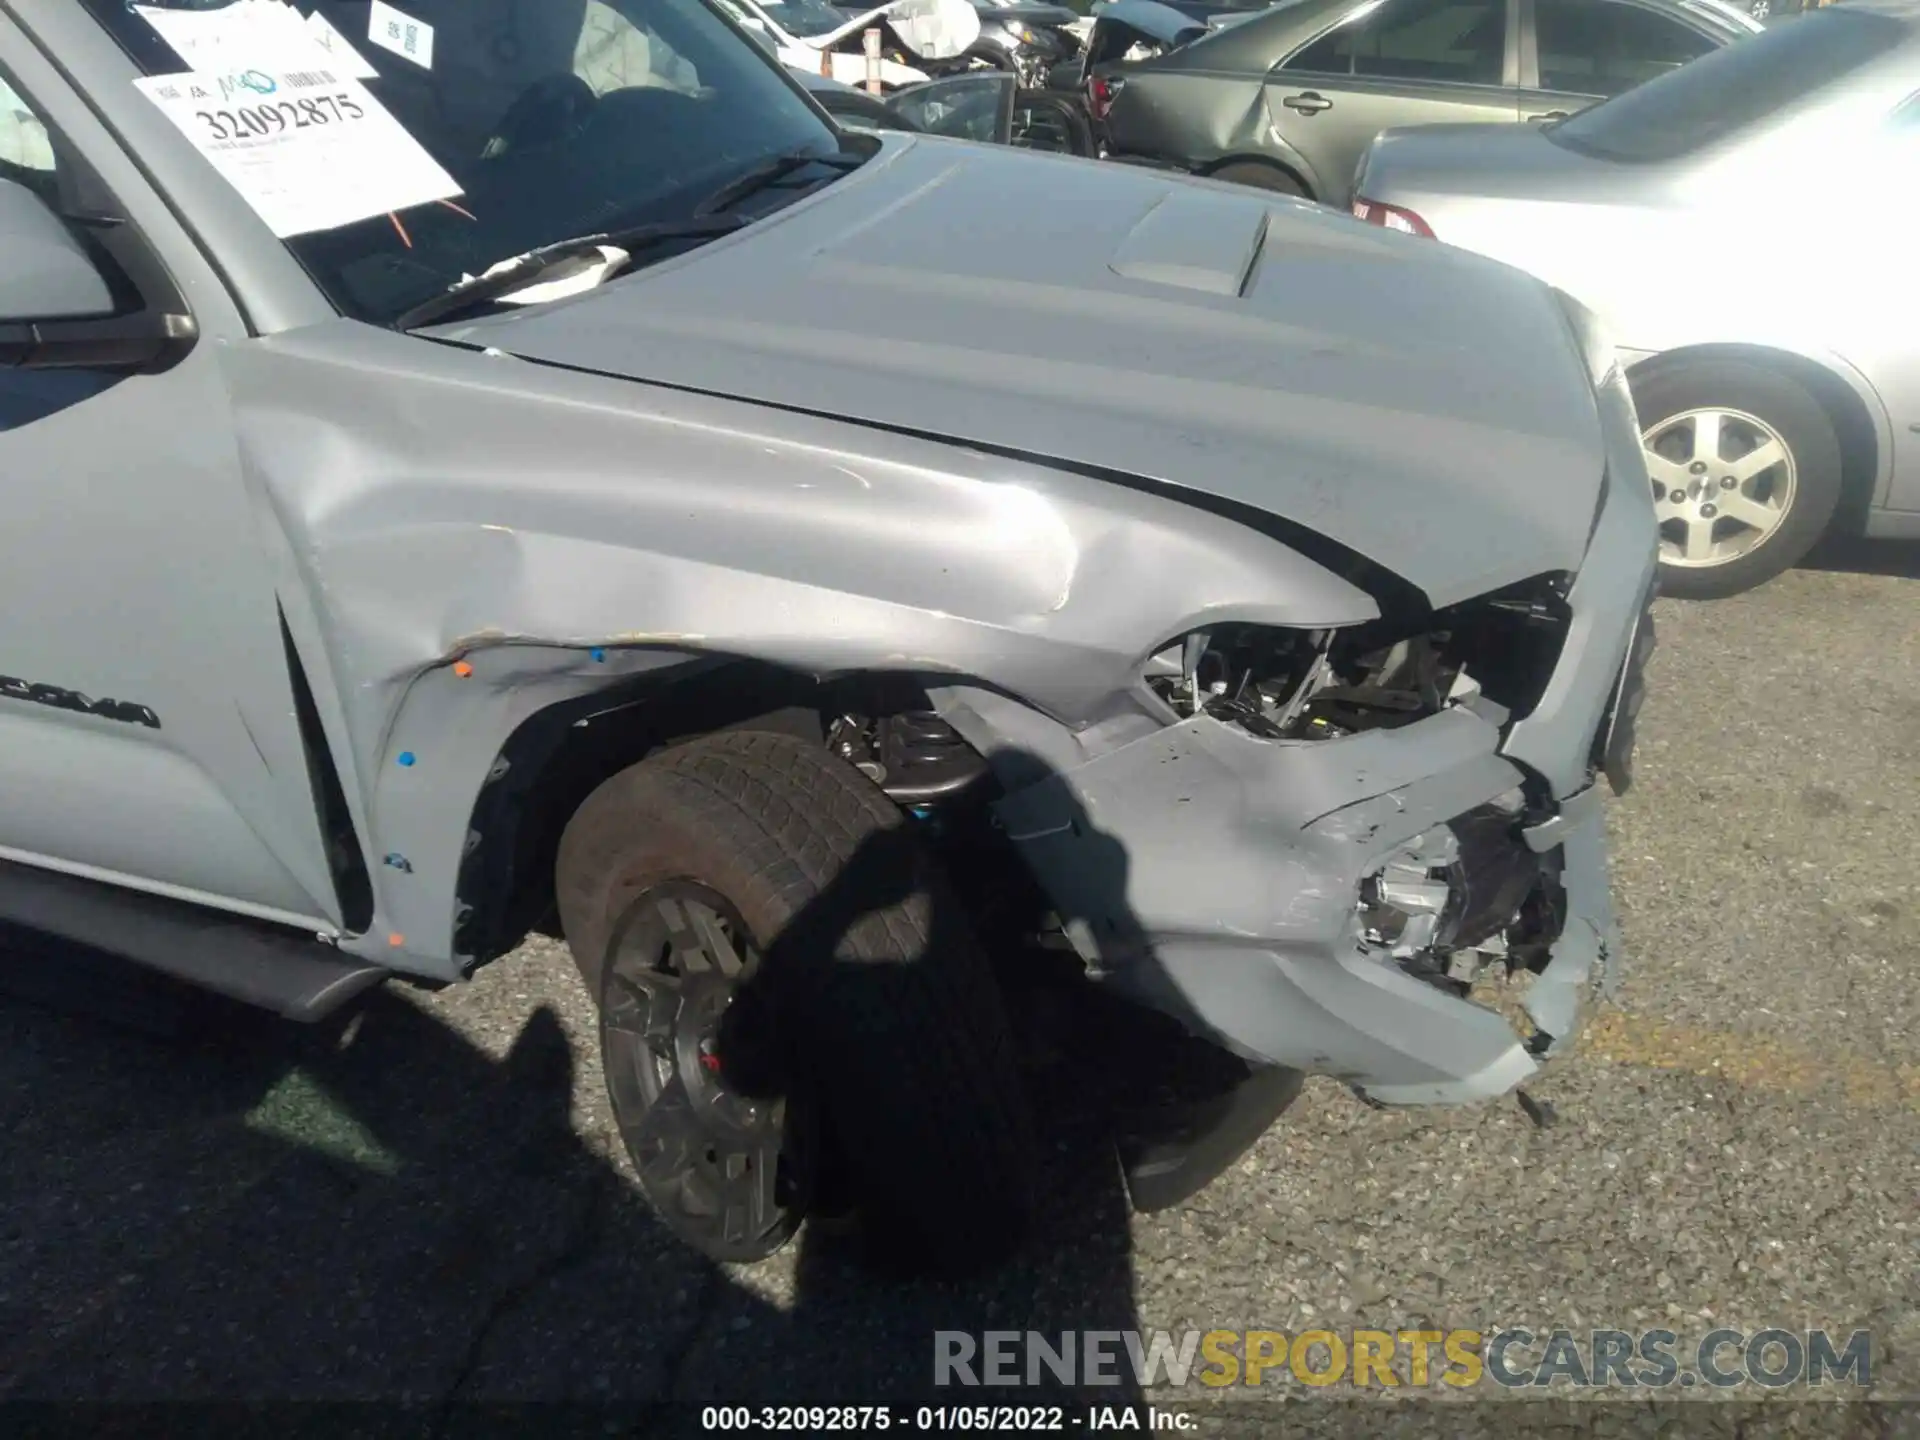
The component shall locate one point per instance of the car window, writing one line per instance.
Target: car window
(807, 18)
(27, 158)
(26, 155)
(856, 110)
(614, 53)
(1461, 40)
(960, 108)
(1602, 47)
(522, 124)
(1730, 89)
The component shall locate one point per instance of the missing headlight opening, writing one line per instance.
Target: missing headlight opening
(1293, 684)
(1464, 894)
(1461, 896)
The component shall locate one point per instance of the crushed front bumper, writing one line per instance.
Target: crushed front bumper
(1224, 878)
(1217, 877)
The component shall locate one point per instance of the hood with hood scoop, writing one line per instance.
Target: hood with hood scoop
(1420, 406)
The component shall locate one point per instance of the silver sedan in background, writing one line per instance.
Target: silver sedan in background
(1744, 227)
(1289, 98)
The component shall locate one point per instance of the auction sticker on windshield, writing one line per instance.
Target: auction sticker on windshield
(307, 149)
(256, 32)
(399, 32)
(251, 32)
(340, 53)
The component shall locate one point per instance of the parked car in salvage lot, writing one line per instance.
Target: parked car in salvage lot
(1778, 384)
(987, 106)
(814, 36)
(646, 509)
(1289, 99)
(1024, 38)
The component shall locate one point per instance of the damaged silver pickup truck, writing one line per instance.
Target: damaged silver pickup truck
(493, 473)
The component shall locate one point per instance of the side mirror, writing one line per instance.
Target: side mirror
(57, 309)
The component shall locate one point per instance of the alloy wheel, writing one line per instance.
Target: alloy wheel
(1723, 482)
(694, 1074)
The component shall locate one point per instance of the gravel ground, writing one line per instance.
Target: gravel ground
(423, 1203)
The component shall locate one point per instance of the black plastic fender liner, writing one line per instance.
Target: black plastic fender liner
(1182, 1151)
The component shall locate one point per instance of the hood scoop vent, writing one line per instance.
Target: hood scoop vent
(1194, 240)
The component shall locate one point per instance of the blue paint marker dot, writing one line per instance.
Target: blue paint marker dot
(406, 758)
(599, 655)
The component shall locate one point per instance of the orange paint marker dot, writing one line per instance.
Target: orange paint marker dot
(396, 939)
(462, 669)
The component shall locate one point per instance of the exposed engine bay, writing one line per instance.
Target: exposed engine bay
(1303, 685)
(1284, 684)
(1464, 894)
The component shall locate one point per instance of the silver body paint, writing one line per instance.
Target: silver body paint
(1000, 420)
(1633, 240)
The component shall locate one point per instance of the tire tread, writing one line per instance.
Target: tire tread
(904, 1029)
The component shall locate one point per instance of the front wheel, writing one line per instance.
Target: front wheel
(1745, 469)
(792, 1003)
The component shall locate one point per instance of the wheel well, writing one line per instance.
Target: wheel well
(1846, 411)
(560, 755)
(1265, 162)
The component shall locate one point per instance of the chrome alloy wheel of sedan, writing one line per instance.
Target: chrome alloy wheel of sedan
(1723, 482)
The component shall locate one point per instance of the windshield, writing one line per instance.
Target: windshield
(807, 18)
(429, 141)
(1724, 92)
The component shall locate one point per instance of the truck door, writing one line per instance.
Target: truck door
(149, 727)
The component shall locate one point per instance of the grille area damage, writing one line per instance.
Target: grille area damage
(1460, 895)
(1285, 684)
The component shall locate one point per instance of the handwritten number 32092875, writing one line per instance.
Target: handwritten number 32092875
(248, 121)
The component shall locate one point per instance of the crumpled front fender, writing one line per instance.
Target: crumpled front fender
(463, 538)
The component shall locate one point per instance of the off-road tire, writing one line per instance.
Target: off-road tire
(891, 1016)
(1663, 391)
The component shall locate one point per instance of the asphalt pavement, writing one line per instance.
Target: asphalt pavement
(423, 1206)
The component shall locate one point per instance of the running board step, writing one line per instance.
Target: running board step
(286, 971)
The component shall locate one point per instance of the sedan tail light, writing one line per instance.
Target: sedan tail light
(1101, 93)
(1391, 217)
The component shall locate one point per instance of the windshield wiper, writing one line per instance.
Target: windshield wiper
(511, 275)
(772, 171)
(706, 222)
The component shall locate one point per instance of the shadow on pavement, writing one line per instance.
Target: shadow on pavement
(1855, 555)
(203, 1202)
